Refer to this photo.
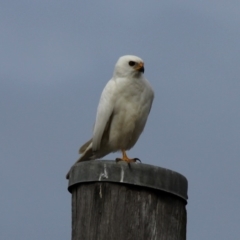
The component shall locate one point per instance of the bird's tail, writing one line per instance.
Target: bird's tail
(87, 154)
(83, 148)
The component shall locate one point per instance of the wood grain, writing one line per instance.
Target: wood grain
(112, 211)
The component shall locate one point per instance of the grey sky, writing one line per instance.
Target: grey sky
(56, 57)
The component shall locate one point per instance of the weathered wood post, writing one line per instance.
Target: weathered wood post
(114, 201)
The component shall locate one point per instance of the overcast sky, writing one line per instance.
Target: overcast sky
(55, 59)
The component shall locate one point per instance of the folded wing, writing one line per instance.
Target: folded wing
(104, 113)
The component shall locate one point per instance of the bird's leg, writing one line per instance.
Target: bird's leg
(126, 158)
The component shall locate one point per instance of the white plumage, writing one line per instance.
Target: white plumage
(122, 112)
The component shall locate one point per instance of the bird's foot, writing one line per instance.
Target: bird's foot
(126, 159)
(129, 160)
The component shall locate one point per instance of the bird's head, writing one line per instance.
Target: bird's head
(129, 65)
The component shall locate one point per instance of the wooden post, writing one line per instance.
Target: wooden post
(114, 201)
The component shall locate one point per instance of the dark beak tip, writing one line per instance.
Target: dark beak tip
(141, 69)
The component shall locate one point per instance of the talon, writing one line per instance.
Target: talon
(137, 159)
(118, 159)
(126, 159)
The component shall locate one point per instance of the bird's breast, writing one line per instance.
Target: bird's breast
(129, 115)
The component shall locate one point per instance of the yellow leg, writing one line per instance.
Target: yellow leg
(126, 158)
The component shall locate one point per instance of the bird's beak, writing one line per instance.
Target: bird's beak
(140, 67)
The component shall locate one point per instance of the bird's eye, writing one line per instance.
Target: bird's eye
(131, 63)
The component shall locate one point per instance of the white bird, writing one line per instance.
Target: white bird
(122, 112)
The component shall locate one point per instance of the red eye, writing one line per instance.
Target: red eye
(131, 63)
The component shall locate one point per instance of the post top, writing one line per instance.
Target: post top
(144, 175)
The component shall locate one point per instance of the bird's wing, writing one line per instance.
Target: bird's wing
(151, 100)
(150, 94)
(104, 112)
